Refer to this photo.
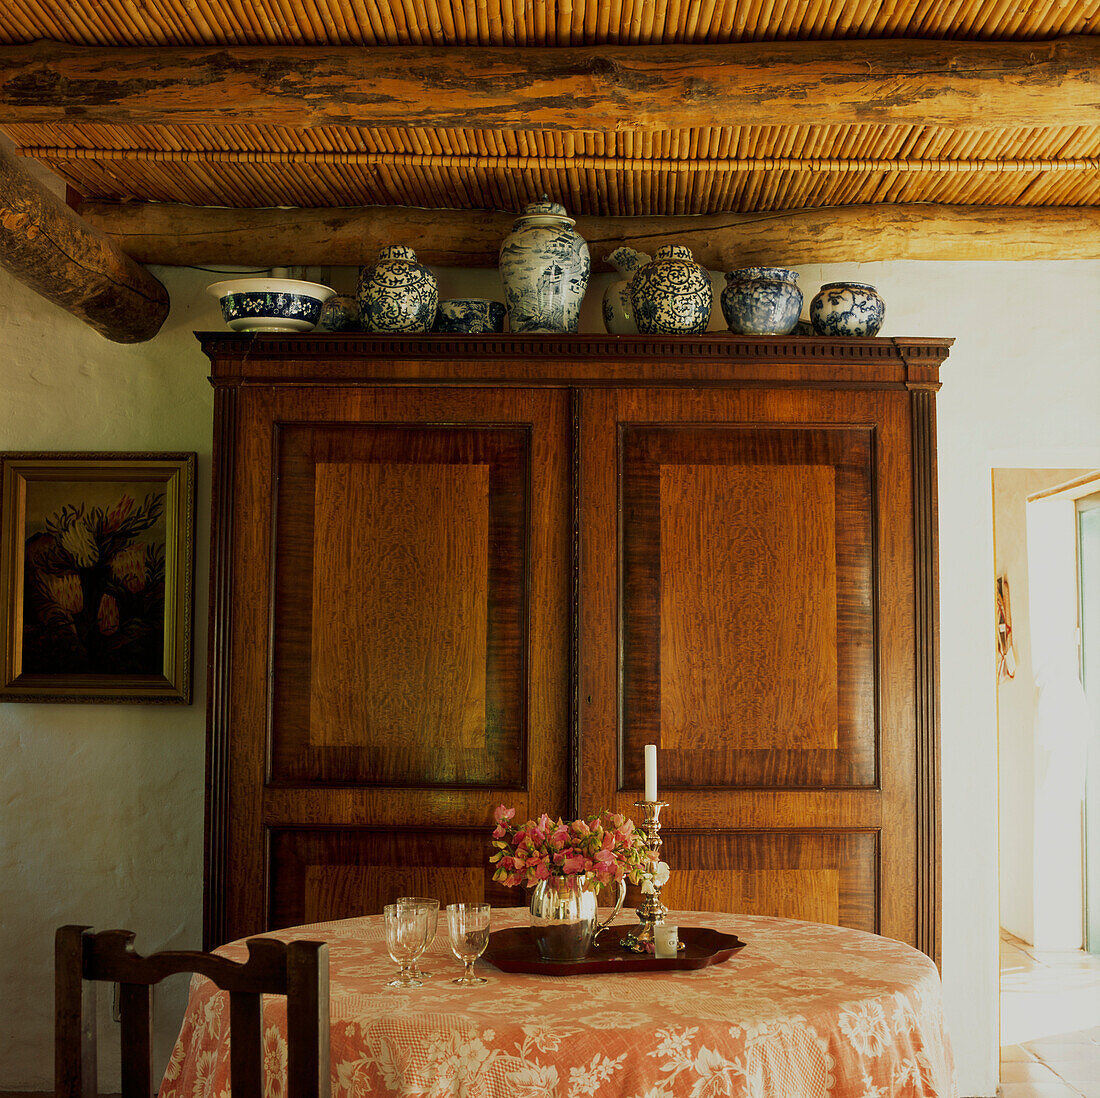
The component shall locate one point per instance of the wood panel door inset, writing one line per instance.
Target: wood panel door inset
(747, 606)
(323, 873)
(821, 876)
(400, 605)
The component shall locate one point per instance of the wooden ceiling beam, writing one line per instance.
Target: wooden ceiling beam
(179, 235)
(62, 258)
(982, 85)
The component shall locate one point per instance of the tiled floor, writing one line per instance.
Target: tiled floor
(1050, 1022)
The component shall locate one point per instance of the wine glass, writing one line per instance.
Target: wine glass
(406, 939)
(469, 928)
(432, 907)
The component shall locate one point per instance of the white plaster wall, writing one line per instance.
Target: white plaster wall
(1015, 713)
(101, 807)
(1016, 696)
(1021, 388)
(1062, 725)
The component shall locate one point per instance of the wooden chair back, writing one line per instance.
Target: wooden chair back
(298, 970)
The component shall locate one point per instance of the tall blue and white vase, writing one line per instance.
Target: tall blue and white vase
(672, 295)
(762, 301)
(544, 265)
(618, 312)
(847, 309)
(397, 294)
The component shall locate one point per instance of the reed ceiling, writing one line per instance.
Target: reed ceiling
(739, 167)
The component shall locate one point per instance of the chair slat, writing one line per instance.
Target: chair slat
(75, 1066)
(134, 1003)
(246, 1050)
(308, 1019)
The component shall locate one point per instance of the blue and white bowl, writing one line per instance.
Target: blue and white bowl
(762, 301)
(270, 304)
(470, 316)
(847, 309)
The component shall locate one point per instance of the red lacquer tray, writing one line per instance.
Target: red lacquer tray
(514, 950)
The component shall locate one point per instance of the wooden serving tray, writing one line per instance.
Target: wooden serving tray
(514, 950)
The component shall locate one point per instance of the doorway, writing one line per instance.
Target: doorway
(1044, 592)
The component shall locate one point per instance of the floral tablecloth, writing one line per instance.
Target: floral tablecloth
(802, 1011)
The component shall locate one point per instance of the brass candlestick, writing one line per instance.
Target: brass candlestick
(652, 912)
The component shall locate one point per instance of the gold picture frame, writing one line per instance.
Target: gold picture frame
(96, 576)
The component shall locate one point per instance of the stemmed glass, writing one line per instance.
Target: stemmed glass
(406, 939)
(432, 908)
(469, 928)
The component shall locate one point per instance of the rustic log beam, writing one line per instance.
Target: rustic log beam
(196, 235)
(64, 259)
(603, 88)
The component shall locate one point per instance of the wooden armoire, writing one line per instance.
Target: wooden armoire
(451, 572)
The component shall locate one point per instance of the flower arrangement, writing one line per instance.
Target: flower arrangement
(607, 847)
(94, 590)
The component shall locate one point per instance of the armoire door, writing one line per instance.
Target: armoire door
(397, 612)
(746, 565)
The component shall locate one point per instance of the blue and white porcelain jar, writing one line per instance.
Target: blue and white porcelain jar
(847, 309)
(340, 314)
(618, 312)
(544, 265)
(672, 295)
(397, 294)
(470, 316)
(762, 301)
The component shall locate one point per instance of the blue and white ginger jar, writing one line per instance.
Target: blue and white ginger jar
(762, 301)
(672, 295)
(618, 312)
(544, 265)
(847, 309)
(397, 294)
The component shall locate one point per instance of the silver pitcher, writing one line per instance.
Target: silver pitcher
(564, 919)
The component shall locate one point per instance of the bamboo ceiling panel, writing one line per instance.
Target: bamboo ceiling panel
(530, 22)
(715, 169)
(728, 169)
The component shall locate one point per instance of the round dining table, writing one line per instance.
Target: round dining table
(802, 1011)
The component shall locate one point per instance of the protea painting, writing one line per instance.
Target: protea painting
(93, 591)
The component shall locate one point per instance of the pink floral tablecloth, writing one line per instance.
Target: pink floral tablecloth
(802, 1011)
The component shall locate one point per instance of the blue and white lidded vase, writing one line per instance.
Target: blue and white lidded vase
(762, 301)
(618, 313)
(672, 295)
(847, 309)
(544, 265)
(397, 294)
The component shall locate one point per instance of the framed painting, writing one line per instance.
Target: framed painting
(96, 577)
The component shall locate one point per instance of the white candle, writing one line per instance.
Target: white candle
(650, 771)
(666, 941)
